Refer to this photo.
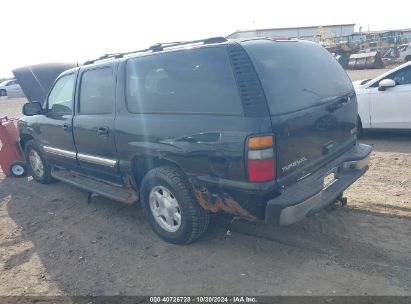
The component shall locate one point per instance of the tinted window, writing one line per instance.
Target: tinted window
(97, 91)
(191, 81)
(296, 75)
(60, 99)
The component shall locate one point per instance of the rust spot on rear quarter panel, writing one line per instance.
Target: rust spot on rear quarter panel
(215, 203)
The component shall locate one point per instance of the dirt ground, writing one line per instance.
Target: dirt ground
(52, 242)
(367, 74)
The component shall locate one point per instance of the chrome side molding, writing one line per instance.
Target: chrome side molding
(59, 152)
(96, 160)
(81, 156)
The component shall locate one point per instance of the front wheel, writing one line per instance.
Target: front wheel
(170, 207)
(359, 126)
(37, 164)
(3, 92)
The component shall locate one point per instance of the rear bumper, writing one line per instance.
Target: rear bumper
(309, 195)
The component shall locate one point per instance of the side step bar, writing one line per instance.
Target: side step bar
(108, 190)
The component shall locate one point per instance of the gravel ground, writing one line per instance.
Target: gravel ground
(11, 107)
(52, 242)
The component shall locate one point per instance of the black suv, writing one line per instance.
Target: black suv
(260, 129)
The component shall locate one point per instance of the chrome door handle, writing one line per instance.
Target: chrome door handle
(102, 130)
(66, 127)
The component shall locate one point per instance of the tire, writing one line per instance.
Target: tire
(3, 92)
(408, 58)
(18, 168)
(32, 151)
(192, 221)
(359, 126)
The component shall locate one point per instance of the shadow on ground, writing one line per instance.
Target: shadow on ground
(106, 248)
(388, 141)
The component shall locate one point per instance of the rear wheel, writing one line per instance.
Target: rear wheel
(3, 92)
(170, 207)
(37, 164)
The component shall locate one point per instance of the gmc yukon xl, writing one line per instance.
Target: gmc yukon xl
(256, 128)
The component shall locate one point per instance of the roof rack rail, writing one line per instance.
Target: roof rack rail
(161, 46)
(105, 56)
(158, 47)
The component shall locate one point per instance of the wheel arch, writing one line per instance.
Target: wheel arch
(24, 138)
(141, 165)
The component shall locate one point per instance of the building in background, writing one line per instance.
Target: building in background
(313, 33)
(407, 33)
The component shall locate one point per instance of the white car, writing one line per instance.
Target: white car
(10, 88)
(385, 101)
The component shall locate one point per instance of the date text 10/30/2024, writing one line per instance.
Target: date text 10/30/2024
(207, 299)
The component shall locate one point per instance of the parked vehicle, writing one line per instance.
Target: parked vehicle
(259, 129)
(405, 53)
(384, 102)
(10, 87)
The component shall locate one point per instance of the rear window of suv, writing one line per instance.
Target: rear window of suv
(189, 81)
(296, 75)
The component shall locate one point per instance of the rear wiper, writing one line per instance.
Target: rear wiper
(339, 103)
(321, 99)
(312, 92)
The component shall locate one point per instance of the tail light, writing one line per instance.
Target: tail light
(260, 158)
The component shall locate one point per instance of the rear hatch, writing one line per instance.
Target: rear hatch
(312, 104)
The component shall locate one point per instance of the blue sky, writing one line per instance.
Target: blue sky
(71, 30)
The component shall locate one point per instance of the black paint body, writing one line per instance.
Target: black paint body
(208, 147)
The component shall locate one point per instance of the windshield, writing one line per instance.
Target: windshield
(296, 75)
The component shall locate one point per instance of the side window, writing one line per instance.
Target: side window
(402, 76)
(60, 99)
(189, 81)
(153, 78)
(97, 91)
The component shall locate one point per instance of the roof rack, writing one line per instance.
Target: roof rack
(158, 47)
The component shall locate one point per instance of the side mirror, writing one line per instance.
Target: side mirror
(385, 84)
(32, 108)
